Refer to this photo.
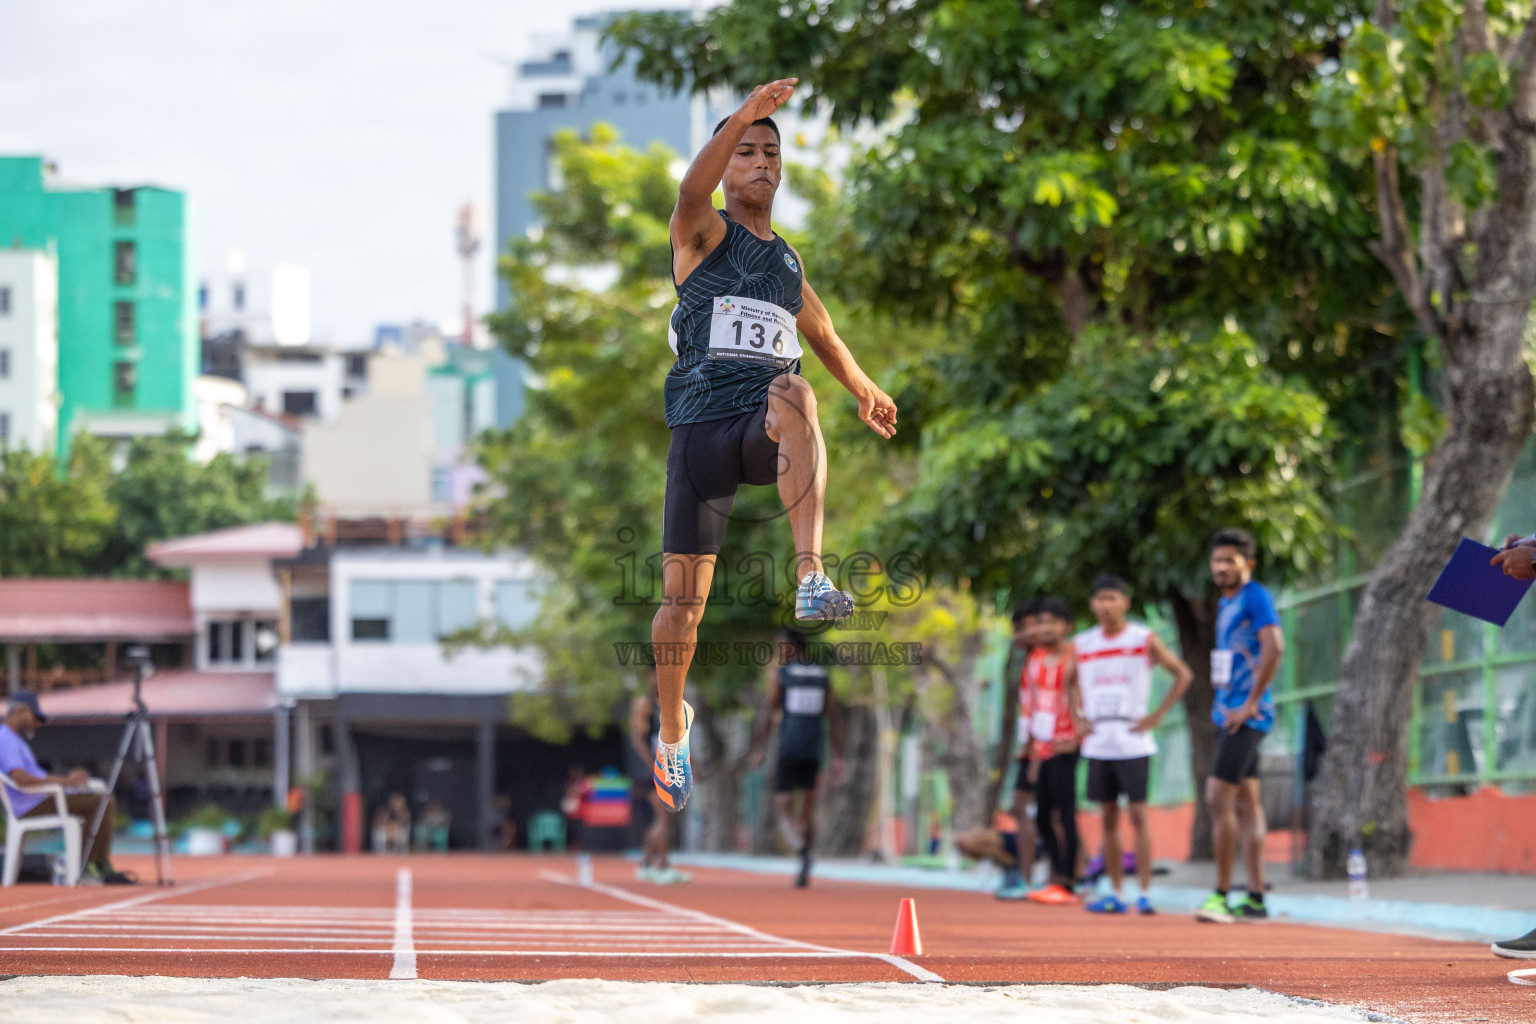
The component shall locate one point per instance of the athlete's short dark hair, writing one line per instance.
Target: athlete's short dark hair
(768, 121)
(1106, 581)
(1232, 537)
(794, 638)
(1045, 604)
(1019, 611)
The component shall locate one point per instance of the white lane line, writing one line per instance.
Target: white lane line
(405, 950)
(900, 963)
(774, 954)
(532, 933)
(418, 944)
(134, 901)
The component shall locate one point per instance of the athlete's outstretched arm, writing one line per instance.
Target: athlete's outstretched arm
(694, 222)
(875, 406)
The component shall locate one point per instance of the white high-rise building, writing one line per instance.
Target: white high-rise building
(29, 349)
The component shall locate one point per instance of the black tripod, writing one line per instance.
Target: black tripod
(138, 739)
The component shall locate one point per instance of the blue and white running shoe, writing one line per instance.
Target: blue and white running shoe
(673, 771)
(817, 598)
(1110, 904)
(1144, 905)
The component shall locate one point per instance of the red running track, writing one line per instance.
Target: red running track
(523, 919)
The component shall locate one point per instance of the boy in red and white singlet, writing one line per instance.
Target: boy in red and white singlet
(1049, 731)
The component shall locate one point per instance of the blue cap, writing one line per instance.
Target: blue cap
(28, 700)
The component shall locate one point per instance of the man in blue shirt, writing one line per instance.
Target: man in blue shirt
(1249, 645)
(19, 767)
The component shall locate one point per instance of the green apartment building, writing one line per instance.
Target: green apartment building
(128, 351)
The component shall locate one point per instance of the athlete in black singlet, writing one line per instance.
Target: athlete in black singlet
(801, 699)
(739, 410)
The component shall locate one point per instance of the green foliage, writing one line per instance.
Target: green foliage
(1392, 86)
(89, 521)
(1084, 200)
(271, 820)
(161, 492)
(52, 523)
(1125, 464)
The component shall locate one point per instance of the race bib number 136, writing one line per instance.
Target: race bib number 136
(752, 330)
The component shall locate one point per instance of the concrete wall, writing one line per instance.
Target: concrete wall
(29, 335)
(271, 372)
(235, 585)
(346, 665)
(376, 459)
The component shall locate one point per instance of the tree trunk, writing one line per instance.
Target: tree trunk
(843, 811)
(1196, 619)
(719, 763)
(948, 692)
(1361, 795)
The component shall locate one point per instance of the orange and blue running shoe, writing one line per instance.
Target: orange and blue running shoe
(673, 771)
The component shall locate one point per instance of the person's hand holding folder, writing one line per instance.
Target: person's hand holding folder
(1517, 557)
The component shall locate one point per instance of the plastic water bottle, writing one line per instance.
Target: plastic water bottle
(1359, 888)
(60, 871)
(584, 869)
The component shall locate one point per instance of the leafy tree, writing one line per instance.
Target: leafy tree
(87, 520)
(52, 523)
(1437, 99)
(1146, 268)
(162, 492)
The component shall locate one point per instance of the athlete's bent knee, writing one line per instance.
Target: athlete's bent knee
(674, 617)
(793, 393)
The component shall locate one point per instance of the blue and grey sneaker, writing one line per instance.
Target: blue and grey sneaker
(1110, 904)
(673, 771)
(817, 598)
(1144, 905)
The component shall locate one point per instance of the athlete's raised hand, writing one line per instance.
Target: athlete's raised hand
(765, 100)
(877, 410)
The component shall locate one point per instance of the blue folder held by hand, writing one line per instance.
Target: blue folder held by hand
(1468, 584)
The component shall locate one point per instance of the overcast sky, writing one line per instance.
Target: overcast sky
(340, 135)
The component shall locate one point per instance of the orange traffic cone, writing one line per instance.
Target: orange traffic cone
(906, 941)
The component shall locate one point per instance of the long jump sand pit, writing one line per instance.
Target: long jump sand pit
(95, 999)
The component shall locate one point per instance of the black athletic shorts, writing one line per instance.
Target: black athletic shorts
(1237, 755)
(796, 773)
(706, 463)
(1108, 781)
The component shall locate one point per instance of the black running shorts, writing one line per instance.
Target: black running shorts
(796, 773)
(706, 463)
(1108, 781)
(1237, 755)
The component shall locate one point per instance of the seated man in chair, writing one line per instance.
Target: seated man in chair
(20, 767)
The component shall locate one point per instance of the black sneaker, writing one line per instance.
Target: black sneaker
(1523, 948)
(1251, 910)
(803, 879)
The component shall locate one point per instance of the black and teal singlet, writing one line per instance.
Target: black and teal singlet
(730, 340)
(805, 690)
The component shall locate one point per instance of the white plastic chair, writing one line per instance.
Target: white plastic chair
(16, 828)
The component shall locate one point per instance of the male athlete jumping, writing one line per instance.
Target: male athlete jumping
(739, 410)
